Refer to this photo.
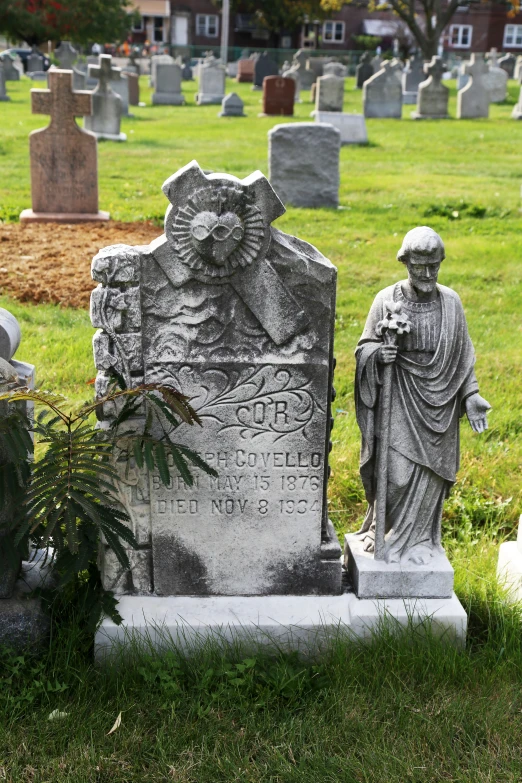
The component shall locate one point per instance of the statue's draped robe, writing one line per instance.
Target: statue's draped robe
(431, 378)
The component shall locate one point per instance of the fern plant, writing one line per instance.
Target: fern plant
(69, 495)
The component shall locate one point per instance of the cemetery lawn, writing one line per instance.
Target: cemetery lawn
(404, 710)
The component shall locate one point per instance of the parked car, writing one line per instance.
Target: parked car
(24, 54)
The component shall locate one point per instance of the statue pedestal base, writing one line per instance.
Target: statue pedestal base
(377, 579)
(306, 624)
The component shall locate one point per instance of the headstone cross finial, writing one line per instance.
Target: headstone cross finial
(105, 72)
(60, 101)
(435, 68)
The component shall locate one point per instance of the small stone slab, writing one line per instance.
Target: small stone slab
(232, 106)
(377, 579)
(352, 127)
(245, 71)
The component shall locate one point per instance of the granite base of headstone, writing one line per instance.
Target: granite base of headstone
(232, 106)
(352, 127)
(303, 162)
(64, 169)
(168, 85)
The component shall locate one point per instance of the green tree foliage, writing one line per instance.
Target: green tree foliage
(80, 21)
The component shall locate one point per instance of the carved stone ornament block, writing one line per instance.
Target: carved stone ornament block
(238, 316)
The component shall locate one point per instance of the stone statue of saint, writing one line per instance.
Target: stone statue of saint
(415, 379)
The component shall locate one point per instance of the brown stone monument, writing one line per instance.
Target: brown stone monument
(64, 169)
(133, 80)
(245, 71)
(278, 96)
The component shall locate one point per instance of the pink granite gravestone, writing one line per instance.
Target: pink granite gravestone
(64, 169)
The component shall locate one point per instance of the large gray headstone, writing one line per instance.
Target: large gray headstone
(211, 83)
(105, 121)
(239, 317)
(329, 93)
(303, 160)
(168, 85)
(433, 96)
(473, 99)
(155, 60)
(382, 94)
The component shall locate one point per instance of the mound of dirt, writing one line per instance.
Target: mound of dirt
(50, 262)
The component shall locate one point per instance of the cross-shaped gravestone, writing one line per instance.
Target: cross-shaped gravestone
(64, 176)
(105, 72)
(60, 101)
(435, 69)
(473, 99)
(67, 55)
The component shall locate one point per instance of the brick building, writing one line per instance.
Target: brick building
(198, 23)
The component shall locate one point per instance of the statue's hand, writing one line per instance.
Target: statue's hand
(387, 354)
(476, 410)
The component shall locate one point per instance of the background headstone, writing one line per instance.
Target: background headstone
(258, 370)
(211, 83)
(336, 69)
(121, 87)
(35, 62)
(155, 60)
(352, 127)
(473, 99)
(508, 62)
(79, 79)
(66, 54)
(433, 96)
(186, 73)
(293, 73)
(496, 84)
(245, 70)
(11, 72)
(64, 170)
(3, 92)
(303, 161)
(232, 106)
(364, 70)
(107, 107)
(412, 77)
(377, 62)
(264, 66)
(329, 93)
(278, 96)
(516, 114)
(133, 81)
(382, 94)
(518, 68)
(168, 85)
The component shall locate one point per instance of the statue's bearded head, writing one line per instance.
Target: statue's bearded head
(423, 252)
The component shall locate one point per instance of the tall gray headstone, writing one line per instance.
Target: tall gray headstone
(293, 73)
(263, 66)
(303, 163)
(364, 70)
(329, 93)
(256, 360)
(211, 83)
(473, 99)
(168, 85)
(382, 94)
(412, 77)
(107, 107)
(66, 54)
(3, 92)
(433, 96)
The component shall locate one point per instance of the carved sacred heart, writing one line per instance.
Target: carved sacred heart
(215, 237)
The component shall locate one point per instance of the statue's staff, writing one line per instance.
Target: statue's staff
(393, 324)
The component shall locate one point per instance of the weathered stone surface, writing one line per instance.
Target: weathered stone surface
(303, 161)
(107, 107)
(329, 93)
(66, 54)
(382, 94)
(239, 317)
(133, 81)
(335, 69)
(11, 72)
(3, 92)
(352, 127)
(473, 99)
(155, 60)
(23, 621)
(245, 70)
(293, 73)
(433, 96)
(377, 62)
(495, 82)
(364, 70)
(35, 61)
(278, 96)
(414, 73)
(79, 80)
(232, 106)
(168, 85)
(508, 62)
(211, 83)
(64, 171)
(121, 87)
(414, 379)
(264, 66)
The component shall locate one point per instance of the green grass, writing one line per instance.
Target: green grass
(402, 710)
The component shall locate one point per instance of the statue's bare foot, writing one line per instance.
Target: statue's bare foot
(420, 555)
